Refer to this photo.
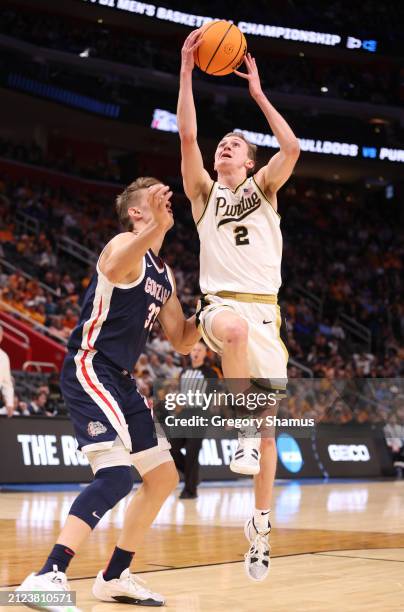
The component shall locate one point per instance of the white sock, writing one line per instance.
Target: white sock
(261, 519)
(250, 432)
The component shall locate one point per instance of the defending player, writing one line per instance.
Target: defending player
(240, 261)
(113, 424)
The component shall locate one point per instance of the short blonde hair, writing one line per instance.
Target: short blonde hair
(123, 201)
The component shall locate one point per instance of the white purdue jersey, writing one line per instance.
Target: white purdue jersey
(241, 241)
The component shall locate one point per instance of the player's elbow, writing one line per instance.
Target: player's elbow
(292, 149)
(190, 191)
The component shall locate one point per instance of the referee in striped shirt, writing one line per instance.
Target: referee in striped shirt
(197, 377)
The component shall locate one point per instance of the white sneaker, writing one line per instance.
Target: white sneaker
(257, 561)
(125, 589)
(52, 581)
(246, 459)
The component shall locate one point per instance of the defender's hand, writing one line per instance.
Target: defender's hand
(160, 206)
(252, 76)
(189, 47)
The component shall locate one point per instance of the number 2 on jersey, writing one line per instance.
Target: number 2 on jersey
(152, 316)
(241, 235)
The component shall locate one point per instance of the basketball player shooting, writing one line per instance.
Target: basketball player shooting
(240, 270)
(113, 424)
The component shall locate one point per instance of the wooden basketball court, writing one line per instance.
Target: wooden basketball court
(335, 546)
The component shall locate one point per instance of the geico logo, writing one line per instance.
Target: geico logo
(348, 452)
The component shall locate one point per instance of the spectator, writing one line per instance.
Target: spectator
(160, 344)
(169, 368)
(6, 382)
(394, 432)
(38, 406)
(20, 408)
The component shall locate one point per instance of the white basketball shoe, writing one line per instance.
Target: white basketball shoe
(246, 459)
(126, 589)
(44, 583)
(257, 560)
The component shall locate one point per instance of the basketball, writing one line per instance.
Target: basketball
(222, 49)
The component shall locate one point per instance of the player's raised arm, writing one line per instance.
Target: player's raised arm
(181, 332)
(279, 168)
(121, 260)
(196, 179)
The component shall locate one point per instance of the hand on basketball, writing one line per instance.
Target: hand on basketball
(160, 205)
(252, 76)
(189, 47)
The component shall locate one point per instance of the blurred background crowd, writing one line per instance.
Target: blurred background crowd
(61, 168)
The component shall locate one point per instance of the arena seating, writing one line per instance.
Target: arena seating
(344, 317)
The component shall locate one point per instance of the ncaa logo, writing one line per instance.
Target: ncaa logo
(289, 453)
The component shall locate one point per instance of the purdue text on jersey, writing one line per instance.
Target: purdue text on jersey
(241, 241)
(226, 212)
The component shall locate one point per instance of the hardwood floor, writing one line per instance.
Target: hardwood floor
(335, 546)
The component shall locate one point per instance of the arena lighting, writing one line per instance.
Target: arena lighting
(166, 121)
(254, 29)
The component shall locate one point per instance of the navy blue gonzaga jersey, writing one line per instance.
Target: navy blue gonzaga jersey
(116, 319)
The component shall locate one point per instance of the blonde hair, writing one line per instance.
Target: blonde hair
(124, 200)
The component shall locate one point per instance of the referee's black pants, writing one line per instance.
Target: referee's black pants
(187, 464)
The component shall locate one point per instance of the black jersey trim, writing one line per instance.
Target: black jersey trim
(206, 204)
(265, 197)
(154, 261)
(236, 189)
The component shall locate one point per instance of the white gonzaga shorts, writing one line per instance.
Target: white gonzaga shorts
(267, 353)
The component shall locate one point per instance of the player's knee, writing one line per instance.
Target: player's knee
(109, 486)
(173, 478)
(163, 478)
(170, 479)
(118, 479)
(236, 333)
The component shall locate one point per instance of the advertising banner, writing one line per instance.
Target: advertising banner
(43, 450)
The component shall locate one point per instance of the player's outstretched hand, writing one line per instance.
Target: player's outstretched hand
(160, 205)
(252, 76)
(189, 47)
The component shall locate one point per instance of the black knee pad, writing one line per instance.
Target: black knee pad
(109, 486)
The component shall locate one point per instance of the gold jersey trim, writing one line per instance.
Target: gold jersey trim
(260, 298)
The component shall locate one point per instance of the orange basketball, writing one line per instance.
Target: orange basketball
(222, 49)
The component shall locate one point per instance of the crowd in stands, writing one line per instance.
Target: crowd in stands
(35, 394)
(31, 153)
(291, 74)
(340, 245)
